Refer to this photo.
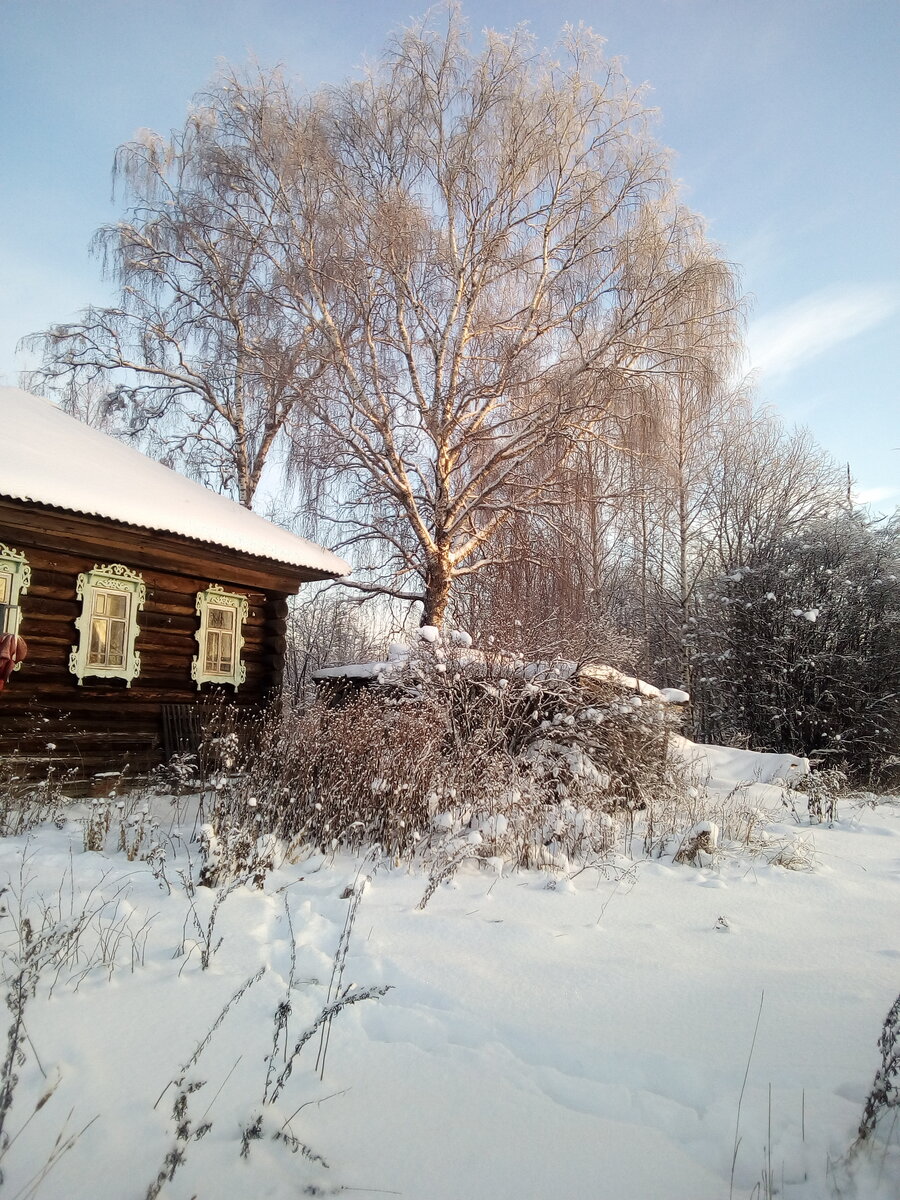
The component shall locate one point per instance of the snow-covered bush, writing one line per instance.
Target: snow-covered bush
(329, 777)
(536, 762)
(442, 754)
(822, 789)
(26, 802)
(235, 854)
(180, 774)
(883, 1101)
(521, 831)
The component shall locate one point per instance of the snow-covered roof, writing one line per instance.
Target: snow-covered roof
(630, 684)
(437, 644)
(51, 458)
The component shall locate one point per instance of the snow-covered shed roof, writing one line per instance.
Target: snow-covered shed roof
(55, 460)
(436, 643)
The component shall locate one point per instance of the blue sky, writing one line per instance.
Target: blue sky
(782, 115)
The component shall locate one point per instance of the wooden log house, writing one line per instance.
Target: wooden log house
(138, 592)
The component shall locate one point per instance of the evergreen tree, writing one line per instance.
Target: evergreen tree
(797, 647)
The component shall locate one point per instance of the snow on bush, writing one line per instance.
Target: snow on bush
(444, 741)
(443, 753)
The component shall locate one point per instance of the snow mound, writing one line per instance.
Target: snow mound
(726, 765)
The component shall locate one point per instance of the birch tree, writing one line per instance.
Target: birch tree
(445, 279)
(489, 242)
(197, 358)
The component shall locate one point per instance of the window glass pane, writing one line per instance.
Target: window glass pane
(5, 587)
(221, 618)
(212, 650)
(116, 655)
(219, 651)
(109, 629)
(97, 650)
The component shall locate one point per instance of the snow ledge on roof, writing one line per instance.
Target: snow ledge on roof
(60, 462)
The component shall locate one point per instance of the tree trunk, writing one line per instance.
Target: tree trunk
(438, 582)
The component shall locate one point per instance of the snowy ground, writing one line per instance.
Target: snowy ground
(587, 1039)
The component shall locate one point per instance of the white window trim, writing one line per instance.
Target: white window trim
(14, 564)
(215, 596)
(111, 578)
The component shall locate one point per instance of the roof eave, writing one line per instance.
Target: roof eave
(304, 572)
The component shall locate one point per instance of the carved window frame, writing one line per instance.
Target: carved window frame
(119, 580)
(215, 597)
(14, 567)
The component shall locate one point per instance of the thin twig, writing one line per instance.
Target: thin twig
(737, 1123)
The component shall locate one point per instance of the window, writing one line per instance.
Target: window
(15, 579)
(219, 637)
(109, 629)
(111, 598)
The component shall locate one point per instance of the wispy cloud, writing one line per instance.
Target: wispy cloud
(785, 339)
(875, 495)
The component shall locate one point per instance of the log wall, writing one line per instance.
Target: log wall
(101, 725)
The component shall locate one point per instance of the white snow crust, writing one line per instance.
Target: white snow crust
(588, 1039)
(61, 462)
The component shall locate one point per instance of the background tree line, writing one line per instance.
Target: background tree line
(460, 307)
